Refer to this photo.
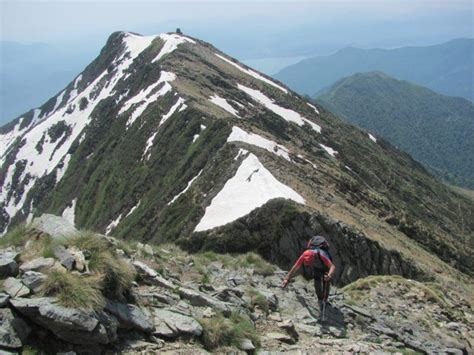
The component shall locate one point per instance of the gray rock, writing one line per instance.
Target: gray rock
(200, 299)
(281, 337)
(15, 288)
(33, 280)
(13, 330)
(179, 324)
(39, 264)
(56, 227)
(71, 325)
(4, 299)
(79, 258)
(150, 276)
(8, 263)
(246, 345)
(64, 256)
(130, 316)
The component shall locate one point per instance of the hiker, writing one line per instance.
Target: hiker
(316, 256)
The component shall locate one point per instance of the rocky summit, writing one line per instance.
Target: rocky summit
(165, 139)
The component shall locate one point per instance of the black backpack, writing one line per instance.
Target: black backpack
(317, 242)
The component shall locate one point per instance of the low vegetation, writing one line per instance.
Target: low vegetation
(15, 237)
(219, 331)
(75, 291)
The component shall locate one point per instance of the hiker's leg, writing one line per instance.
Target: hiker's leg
(318, 285)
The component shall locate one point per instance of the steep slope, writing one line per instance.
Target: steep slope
(412, 118)
(164, 138)
(445, 68)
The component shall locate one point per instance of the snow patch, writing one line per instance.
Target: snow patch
(253, 74)
(185, 189)
(372, 138)
(113, 225)
(239, 135)
(69, 212)
(145, 96)
(329, 150)
(178, 104)
(222, 103)
(313, 107)
(133, 209)
(171, 43)
(285, 113)
(307, 160)
(251, 187)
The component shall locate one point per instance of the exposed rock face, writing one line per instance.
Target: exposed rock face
(130, 316)
(15, 288)
(353, 252)
(71, 325)
(174, 324)
(33, 280)
(39, 264)
(55, 226)
(13, 330)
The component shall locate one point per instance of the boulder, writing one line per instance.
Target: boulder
(200, 299)
(246, 345)
(130, 316)
(79, 258)
(15, 288)
(57, 227)
(8, 263)
(39, 264)
(71, 325)
(4, 299)
(13, 330)
(33, 280)
(281, 337)
(170, 324)
(64, 256)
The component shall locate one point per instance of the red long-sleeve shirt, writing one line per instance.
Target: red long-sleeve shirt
(307, 258)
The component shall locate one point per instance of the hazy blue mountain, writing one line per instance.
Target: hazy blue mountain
(436, 130)
(31, 74)
(445, 68)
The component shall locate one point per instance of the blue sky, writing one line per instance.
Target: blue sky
(246, 28)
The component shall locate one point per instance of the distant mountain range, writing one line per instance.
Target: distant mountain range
(445, 68)
(436, 130)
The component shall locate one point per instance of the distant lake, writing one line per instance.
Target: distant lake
(272, 65)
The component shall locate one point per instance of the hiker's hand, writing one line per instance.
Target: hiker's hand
(327, 278)
(285, 283)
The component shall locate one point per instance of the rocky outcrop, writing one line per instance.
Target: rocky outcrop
(55, 226)
(354, 253)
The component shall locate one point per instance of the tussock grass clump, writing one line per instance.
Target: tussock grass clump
(75, 291)
(15, 237)
(257, 299)
(117, 274)
(219, 331)
(247, 260)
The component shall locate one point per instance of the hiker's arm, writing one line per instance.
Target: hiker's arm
(330, 265)
(292, 271)
(332, 270)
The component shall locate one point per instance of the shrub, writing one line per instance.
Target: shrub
(219, 331)
(74, 291)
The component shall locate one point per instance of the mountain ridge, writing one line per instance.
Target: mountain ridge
(152, 134)
(445, 68)
(412, 117)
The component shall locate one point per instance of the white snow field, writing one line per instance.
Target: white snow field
(372, 138)
(171, 43)
(251, 187)
(329, 150)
